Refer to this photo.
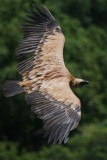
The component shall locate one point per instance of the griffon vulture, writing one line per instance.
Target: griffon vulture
(46, 81)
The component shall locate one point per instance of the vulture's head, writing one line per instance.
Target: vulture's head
(78, 82)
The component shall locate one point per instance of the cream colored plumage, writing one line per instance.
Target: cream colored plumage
(45, 79)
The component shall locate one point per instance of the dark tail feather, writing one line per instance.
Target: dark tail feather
(12, 88)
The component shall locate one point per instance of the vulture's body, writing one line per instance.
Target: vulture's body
(45, 79)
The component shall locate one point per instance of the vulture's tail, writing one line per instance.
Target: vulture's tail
(12, 88)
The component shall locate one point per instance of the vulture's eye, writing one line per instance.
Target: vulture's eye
(58, 29)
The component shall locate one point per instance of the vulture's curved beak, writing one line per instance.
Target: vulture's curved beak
(83, 83)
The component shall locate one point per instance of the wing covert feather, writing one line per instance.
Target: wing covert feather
(58, 107)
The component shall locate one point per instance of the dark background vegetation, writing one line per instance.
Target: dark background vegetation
(84, 24)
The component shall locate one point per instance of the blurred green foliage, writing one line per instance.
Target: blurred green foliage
(85, 28)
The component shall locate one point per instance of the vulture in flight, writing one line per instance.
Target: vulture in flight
(46, 81)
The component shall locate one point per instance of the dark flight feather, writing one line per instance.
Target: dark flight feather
(60, 121)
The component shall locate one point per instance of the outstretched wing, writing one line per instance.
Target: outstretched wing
(42, 44)
(45, 77)
(58, 107)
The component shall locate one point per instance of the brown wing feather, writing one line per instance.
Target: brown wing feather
(58, 107)
(45, 77)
